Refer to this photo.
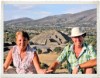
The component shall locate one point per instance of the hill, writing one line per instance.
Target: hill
(86, 18)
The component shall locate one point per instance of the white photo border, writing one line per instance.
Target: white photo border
(49, 75)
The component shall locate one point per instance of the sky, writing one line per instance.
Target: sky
(37, 11)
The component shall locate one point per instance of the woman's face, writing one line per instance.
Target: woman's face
(22, 42)
(78, 41)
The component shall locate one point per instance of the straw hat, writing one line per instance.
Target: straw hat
(77, 31)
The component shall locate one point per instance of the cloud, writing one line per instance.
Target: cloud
(24, 6)
(34, 15)
(16, 17)
(72, 11)
(76, 10)
(42, 13)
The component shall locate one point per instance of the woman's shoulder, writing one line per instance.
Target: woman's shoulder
(14, 48)
(32, 49)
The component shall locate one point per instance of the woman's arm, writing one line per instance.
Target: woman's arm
(8, 60)
(37, 64)
(53, 67)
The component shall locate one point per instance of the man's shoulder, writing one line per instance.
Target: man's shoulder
(68, 46)
(88, 45)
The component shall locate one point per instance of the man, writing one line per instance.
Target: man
(80, 57)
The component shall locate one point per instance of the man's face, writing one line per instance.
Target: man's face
(77, 40)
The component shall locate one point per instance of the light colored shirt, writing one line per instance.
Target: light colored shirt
(68, 54)
(26, 65)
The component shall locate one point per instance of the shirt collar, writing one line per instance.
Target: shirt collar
(27, 49)
(72, 46)
(82, 51)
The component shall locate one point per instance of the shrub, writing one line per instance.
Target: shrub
(44, 66)
(58, 49)
(65, 66)
(31, 43)
(39, 51)
(60, 66)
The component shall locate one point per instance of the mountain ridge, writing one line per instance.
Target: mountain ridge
(88, 18)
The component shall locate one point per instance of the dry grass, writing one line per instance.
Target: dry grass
(49, 59)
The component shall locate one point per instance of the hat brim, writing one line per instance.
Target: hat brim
(82, 34)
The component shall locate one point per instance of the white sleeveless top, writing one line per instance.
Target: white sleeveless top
(26, 65)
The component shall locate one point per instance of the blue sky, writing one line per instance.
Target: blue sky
(37, 11)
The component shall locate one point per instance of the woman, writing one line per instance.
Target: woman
(23, 56)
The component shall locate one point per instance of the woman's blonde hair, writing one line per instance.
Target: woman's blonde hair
(23, 33)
